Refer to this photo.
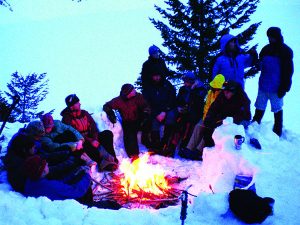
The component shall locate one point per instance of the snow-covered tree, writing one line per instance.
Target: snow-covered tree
(32, 89)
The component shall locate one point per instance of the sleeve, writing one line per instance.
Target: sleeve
(108, 109)
(287, 70)
(214, 114)
(93, 129)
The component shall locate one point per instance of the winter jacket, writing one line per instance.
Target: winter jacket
(57, 189)
(237, 107)
(192, 99)
(232, 66)
(83, 122)
(161, 97)
(131, 110)
(277, 67)
(153, 66)
(216, 85)
(48, 141)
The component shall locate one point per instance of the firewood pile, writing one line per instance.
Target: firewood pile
(110, 188)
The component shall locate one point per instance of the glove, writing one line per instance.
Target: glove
(112, 117)
(281, 93)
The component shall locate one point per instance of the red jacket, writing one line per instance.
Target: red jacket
(83, 122)
(130, 109)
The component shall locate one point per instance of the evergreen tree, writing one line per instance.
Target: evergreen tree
(3, 107)
(32, 89)
(5, 4)
(194, 29)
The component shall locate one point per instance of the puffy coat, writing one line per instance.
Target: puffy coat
(216, 85)
(57, 189)
(232, 66)
(48, 141)
(161, 97)
(237, 107)
(193, 100)
(83, 122)
(130, 109)
(152, 66)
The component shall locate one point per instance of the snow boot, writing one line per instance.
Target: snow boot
(155, 145)
(255, 143)
(258, 115)
(278, 118)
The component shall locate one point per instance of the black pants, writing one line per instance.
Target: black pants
(130, 130)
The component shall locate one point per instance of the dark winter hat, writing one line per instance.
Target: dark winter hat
(153, 50)
(35, 128)
(189, 77)
(47, 120)
(71, 100)
(126, 89)
(34, 167)
(21, 143)
(231, 86)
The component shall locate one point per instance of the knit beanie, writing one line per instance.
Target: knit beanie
(35, 128)
(153, 50)
(126, 89)
(47, 120)
(231, 86)
(217, 82)
(189, 77)
(34, 167)
(71, 100)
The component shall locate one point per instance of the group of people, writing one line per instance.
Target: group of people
(53, 158)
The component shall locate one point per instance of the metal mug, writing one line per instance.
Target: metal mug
(238, 141)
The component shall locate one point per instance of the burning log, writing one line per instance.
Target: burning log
(136, 186)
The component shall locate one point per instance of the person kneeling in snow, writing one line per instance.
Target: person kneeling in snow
(77, 186)
(135, 113)
(231, 102)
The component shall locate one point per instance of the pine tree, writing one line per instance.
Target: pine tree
(32, 89)
(3, 107)
(194, 29)
(5, 4)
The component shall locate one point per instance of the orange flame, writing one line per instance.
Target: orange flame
(139, 175)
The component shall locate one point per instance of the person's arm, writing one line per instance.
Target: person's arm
(108, 109)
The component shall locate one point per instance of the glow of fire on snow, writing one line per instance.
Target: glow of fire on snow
(139, 175)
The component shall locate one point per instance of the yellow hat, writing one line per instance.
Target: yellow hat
(218, 81)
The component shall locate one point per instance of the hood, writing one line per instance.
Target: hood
(65, 111)
(218, 81)
(225, 39)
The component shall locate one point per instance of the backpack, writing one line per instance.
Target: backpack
(249, 207)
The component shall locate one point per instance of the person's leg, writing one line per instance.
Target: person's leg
(260, 105)
(276, 108)
(130, 139)
(196, 137)
(155, 136)
(106, 139)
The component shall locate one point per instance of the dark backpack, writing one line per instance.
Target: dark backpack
(249, 207)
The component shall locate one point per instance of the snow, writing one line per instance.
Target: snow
(59, 38)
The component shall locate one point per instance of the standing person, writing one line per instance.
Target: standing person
(277, 68)
(190, 103)
(82, 121)
(153, 63)
(232, 61)
(161, 96)
(134, 111)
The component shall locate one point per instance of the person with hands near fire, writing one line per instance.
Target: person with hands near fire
(98, 145)
(135, 113)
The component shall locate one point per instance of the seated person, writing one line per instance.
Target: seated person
(190, 103)
(231, 102)
(74, 187)
(134, 110)
(161, 96)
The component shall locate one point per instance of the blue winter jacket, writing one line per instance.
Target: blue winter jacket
(232, 67)
(57, 189)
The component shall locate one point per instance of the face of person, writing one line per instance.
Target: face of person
(48, 129)
(232, 45)
(188, 83)
(272, 40)
(131, 94)
(228, 94)
(156, 78)
(76, 107)
(46, 170)
(155, 55)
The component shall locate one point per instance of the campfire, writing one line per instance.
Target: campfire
(139, 183)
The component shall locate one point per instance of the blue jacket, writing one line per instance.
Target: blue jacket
(57, 189)
(232, 67)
